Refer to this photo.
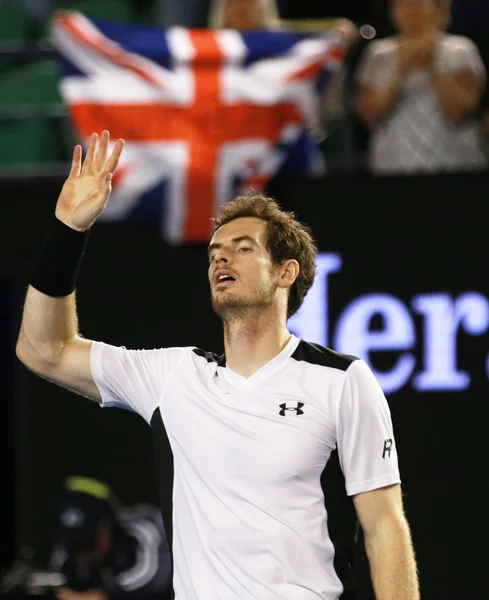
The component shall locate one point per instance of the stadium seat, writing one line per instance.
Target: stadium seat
(33, 139)
(32, 84)
(14, 25)
(116, 10)
(30, 141)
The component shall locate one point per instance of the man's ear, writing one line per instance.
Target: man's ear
(289, 271)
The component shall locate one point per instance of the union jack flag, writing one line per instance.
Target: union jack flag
(205, 114)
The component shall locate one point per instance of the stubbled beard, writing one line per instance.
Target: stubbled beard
(230, 308)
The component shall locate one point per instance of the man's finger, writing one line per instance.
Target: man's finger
(114, 157)
(103, 149)
(92, 146)
(76, 163)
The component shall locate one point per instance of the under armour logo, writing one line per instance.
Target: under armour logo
(387, 448)
(297, 409)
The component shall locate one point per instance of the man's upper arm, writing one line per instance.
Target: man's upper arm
(72, 369)
(112, 375)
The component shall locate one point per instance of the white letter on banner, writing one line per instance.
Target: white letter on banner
(311, 323)
(353, 335)
(444, 317)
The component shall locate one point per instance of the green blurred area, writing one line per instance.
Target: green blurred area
(27, 84)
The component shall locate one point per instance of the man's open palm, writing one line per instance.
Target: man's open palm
(87, 189)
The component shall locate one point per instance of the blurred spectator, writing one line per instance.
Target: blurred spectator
(248, 15)
(108, 551)
(419, 91)
(244, 15)
(329, 126)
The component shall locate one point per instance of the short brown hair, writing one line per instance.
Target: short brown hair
(287, 239)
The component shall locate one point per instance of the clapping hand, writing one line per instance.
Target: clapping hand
(416, 53)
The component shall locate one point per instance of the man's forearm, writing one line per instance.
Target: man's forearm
(392, 560)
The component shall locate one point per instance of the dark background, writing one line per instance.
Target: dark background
(7, 337)
(401, 236)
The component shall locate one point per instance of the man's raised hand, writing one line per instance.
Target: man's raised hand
(87, 189)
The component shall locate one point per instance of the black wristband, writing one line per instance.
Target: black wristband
(56, 269)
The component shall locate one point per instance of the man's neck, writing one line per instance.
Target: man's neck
(252, 341)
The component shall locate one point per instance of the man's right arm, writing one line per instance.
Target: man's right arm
(49, 342)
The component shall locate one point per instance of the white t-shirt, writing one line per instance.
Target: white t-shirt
(262, 467)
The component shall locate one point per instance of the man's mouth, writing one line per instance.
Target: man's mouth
(224, 279)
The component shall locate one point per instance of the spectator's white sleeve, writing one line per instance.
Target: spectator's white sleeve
(462, 55)
(379, 64)
(365, 439)
(133, 379)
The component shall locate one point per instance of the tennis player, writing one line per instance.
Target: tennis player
(279, 448)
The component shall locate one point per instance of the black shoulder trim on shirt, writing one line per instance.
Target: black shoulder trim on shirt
(317, 355)
(211, 357)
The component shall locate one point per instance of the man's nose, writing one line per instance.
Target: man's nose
(222, 260)
(221, 257)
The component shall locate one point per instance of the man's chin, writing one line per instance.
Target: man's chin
(226, 306)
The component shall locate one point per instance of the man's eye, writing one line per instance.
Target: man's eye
(244, 249)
